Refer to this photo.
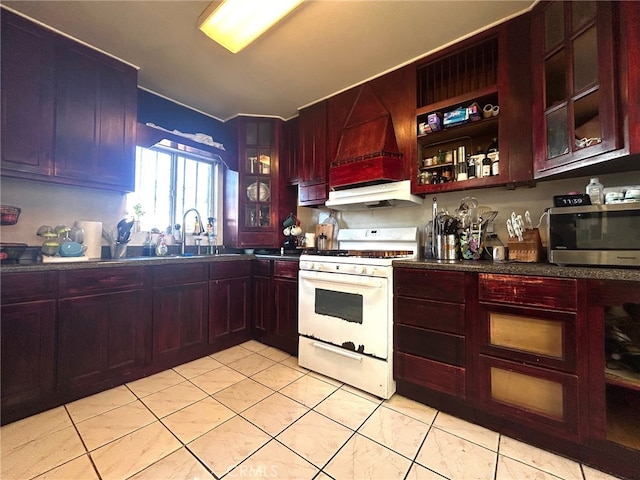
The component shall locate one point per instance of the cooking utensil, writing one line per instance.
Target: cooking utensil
(510, 229)
(124, 230)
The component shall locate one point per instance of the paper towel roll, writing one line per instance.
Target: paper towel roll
(92, 238)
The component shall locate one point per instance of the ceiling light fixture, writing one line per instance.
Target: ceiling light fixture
(234, 24)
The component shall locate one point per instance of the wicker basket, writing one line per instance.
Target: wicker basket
(529, 249)
(9, 215)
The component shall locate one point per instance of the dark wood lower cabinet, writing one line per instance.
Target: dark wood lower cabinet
(229, 304)
(102, 341)
(28, 356)
(285, 325)
(430, 333)
(537, 363)
(180, 317)
(180, 313)
(614, 386)
(275, 304)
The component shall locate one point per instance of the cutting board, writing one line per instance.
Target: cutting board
(327, 229)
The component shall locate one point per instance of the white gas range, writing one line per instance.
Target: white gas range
(345, 307)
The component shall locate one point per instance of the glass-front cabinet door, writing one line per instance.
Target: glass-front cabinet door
(257, 182)
(574, 101)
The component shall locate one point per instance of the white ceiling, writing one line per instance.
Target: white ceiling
(323, 47)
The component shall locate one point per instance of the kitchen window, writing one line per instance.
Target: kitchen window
(168, 183)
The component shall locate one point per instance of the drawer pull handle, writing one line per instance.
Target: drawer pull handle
(338, 351)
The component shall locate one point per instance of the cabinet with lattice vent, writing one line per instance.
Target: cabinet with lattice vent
(469, 97)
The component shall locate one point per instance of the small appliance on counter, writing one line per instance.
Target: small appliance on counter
(600, 227)
(603, 235)
(292, 233)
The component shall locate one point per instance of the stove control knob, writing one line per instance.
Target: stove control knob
(360, 270)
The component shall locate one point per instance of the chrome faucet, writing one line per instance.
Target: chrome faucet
(184, 230)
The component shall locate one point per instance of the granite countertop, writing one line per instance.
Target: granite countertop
(140, 260)
(543, 269)
(128, 262)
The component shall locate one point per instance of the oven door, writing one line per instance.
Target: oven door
(348, 311)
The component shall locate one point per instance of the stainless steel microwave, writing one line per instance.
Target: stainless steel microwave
(595, 235)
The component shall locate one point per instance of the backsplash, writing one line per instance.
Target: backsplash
(49, 204)
(535, 199)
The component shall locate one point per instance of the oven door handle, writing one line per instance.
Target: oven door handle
(342, 279)
(337, 351)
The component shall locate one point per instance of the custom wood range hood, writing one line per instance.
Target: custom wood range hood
(368, 170)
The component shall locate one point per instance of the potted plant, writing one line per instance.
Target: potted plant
(138, 212)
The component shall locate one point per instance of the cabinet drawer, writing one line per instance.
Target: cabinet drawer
(285, 269)
(536, 397)
(82, 282)
(168, 275)
(533, 336)
(430, 284)
(431, 374)
(28, 286)
(442, 347)
(230, 269)
(557, 293)
(262, 267)
(441, 316)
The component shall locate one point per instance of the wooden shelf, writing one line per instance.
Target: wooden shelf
(623, 421)
(479, 128)
(461, 100)
(622, 378)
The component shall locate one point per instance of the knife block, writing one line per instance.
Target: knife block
(529, 249)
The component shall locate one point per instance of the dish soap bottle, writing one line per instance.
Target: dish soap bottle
(595, 191)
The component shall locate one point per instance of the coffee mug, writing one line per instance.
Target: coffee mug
(498, 253)
(295, 231)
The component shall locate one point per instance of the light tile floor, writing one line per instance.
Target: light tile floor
(251, 411)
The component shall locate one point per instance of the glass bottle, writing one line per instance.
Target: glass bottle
(493, 155)
(161, 246)
(147, 246)
(427, 240)
(485, 162)
(595, 191)
(471, 166)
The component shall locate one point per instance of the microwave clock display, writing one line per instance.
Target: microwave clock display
(571, 200)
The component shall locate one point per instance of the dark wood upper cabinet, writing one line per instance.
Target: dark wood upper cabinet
(68, 111)
(291, 160)
(257, 197)
(313, 158)
(27, 97)
(576, 104)
(630, 65)
(487, 71)
(95, 118)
